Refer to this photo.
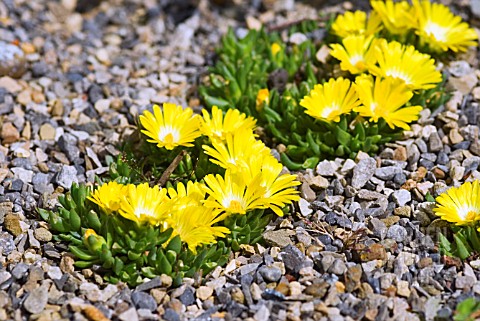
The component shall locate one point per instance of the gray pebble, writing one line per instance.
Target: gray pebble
(270, 273)
(363, 172)
(397, 233)
(143, 300)
(37, 300)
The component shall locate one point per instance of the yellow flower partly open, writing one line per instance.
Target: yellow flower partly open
(384, 98)
(263, 97)
(172, 127)
(396, 16)
(195, 225)
(460, 205)
(330, 100)
(438, 27)
(217, 126)
(235, 151)
(275, 48)
(355, 53)
(231, 194)
(109, 196)
(356, 23)
(417, 70)
(142, 204)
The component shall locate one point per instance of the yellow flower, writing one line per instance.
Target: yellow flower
(441, 29)
(108, 196)
(356, 53)
(278, 189)
(417, 70)
(384, 99)
(275, 48)
(217, 127)
(172, 127)
(235, 151)
(327, 102)
(356, 23)
(93, 243)
(396, 16)
(194, 225)
(460, 205)
(231, 194)
(143, 204)
(263, 97)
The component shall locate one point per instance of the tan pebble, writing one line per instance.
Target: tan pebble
(400, 154)
(204, 292)
(27, 131)
(47, 132)
(94, 314)
(9, 133)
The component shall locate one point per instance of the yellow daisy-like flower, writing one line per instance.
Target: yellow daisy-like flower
(460, 205)
(108, 196)
(172, 127)
(235, 151)
(143, 204)
(396, 16)
(279, 190)
(356, 23)
(231, 194)
(384, 99)
(417, 70)
(275, 48)
(218, 126)
(330, 100)
(441, 29)
(194, 225)
(355, 53)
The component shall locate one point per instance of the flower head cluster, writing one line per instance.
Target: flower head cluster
(433, 23)
(460, 205)
(177, 209)
(372, 98)
(252, 179)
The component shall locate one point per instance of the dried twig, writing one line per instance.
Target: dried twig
(166, 174)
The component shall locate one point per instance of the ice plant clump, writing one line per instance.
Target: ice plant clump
(330, 100)
(460, 205)
(384, 98)
(440, 29)
(172, 127)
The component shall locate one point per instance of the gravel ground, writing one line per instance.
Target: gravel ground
(362, 245)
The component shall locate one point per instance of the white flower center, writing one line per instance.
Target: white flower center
(168, 134)
(142, 210)
(355, 59)
(233, 203)
(397, 73)
(468, 213)
(435, 30)
(328, 110)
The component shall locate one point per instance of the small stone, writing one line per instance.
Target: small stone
(401, 197)
(37, 300)
(47, 132)
(307, 193)
(304, 206)
(67, 264)
(12, 60)
(387, 173)
(280, 238)
(66, 176)
(325, 168)
(102, 105)
(262, 314)
(102, 56)
(187, 297)
(455, 136)
(298, 38)
(204, 292)
(295, 288)
(400, 154)
(319, 182)
(9, 133)
(403, 211)
(464, 84)
(129, 315)
(54, 272)
(43, 235)
(270, 273)
(363, 172)
(397, 233)
(403, 289)
(12, 224)
(435, 143)
(338, 267)
(11, 85)
(143, 300)
(374, 252)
